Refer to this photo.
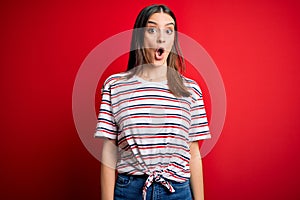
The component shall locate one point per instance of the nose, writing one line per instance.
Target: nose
(161, 37)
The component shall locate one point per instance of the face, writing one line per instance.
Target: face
(159, 38)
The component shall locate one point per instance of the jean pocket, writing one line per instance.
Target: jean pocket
(123, 180)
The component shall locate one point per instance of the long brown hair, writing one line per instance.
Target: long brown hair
(175, 61)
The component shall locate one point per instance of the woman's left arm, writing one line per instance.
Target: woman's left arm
(196, 172)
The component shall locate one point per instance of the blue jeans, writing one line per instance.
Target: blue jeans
(130, 187)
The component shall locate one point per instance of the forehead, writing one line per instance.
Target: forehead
(161, 18)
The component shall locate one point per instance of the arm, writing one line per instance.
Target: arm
(196, 172)
(108, 166)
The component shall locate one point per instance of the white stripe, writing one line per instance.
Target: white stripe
(141, 109)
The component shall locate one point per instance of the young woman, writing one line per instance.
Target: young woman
(152, 118)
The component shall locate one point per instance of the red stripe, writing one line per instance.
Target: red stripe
(166, 99)
(105, 113)
(130, 139)
(158, 147)
(147, 117)
(145, 157)
(105, 122)
(105, 131)
(198, 126)
(124, 84)
(164, 126)
(141, 107)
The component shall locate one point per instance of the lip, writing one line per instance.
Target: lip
(159, 53)
(160, 50)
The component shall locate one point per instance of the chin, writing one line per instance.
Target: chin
(159, 62)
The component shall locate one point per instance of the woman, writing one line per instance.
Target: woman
(154, 116)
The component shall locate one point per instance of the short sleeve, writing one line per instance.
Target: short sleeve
(199, 129)
(106, 125)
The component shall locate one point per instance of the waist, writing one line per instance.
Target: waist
(144, 177)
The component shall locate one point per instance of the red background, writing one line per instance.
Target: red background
(255, 45)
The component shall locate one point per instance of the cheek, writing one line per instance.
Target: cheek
(148, 46)
(170, 44)
(149, 42)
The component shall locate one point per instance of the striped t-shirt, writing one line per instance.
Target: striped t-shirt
(152, 127)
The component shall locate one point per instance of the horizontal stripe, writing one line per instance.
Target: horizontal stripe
(152, 126)
(155, 116)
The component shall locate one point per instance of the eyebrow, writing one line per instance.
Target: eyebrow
(168, 24)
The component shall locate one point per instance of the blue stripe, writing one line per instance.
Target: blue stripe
(203, 123)
(102, 110)
(109, 130)
(121, 139)
(123, 82)
(149, 105)
(199, 133)
(198, 115)
(160, 125)
(179, 113)
(155, 144)
(132, 98)
(104, 119)
(146, 115)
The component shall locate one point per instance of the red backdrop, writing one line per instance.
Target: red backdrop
(255, 45)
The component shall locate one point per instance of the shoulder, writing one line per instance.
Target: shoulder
(114, 78)
(192, 86)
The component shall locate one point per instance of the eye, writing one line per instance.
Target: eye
(151, 30)
(169, 31)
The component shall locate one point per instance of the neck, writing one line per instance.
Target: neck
(154, 72)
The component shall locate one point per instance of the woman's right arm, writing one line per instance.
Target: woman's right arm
(108, 169)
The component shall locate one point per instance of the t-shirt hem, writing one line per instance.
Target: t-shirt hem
(201, 137)
(101, 135)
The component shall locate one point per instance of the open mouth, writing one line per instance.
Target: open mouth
(159, 53)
